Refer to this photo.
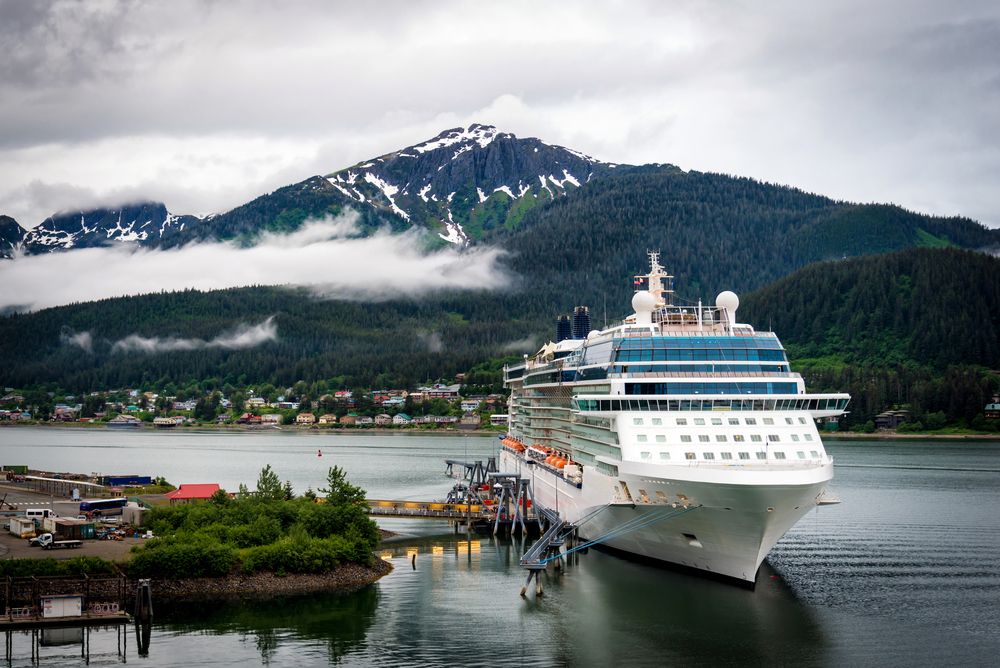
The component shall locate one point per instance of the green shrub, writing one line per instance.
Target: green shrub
(182, 560)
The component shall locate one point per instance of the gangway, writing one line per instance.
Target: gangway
(546, 548)
(430, 510)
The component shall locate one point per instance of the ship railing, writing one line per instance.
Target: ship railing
(703, 374)
(693, 333)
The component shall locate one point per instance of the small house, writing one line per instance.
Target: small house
(383, 419)
(305, 418)
(401, 419)
(189, 493)
(328, 418)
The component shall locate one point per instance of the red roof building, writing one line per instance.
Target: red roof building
(189, 493)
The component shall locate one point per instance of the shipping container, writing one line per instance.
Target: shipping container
(119, 480)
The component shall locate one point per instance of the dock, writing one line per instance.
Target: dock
(485, 499)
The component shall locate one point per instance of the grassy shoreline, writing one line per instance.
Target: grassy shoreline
(296, 429)
(893, 436)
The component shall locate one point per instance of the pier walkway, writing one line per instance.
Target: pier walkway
(429, 510)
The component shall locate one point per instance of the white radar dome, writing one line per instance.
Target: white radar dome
(643, 302)
(728, 300)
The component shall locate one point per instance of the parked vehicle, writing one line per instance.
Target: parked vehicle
(47, 542)
(38, 514)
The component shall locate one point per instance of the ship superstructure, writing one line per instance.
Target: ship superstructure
(679, 434)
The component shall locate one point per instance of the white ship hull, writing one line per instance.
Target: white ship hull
(726, 529)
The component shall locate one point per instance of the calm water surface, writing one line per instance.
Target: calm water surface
(905, 571)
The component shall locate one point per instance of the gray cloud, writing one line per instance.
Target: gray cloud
(323, 255)
(205, 104)
(243, 336)
(82, 340)
(525, 345)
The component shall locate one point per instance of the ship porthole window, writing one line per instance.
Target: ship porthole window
(645, 455)
(727, 455)
(685, 438)
(637, 421)
(642, 438)
(682, 422)
(689, 455)
(708, 455)
(657, 421)
(744, 455)
(814, 454)
(699, 421)
(801, 454)
(779, 455)
(664, 455)
(660, 438)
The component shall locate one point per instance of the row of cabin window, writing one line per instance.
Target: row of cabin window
(724, 438)
(778, 454)
(683, 421)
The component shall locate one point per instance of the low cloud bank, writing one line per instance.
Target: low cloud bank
(243, 336)
(326, 255)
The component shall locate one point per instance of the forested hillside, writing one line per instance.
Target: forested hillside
(386, 344)
(715, 233)
(918, 327)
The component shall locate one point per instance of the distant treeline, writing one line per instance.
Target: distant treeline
(918, 328)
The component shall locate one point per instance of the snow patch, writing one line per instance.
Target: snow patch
(451, 196)
(505, 189)
(522, 189)
(546, 186)
(423, 192)
(480, 134)
(340, 188)
(388, 190)
(456, 235)
(482, 195)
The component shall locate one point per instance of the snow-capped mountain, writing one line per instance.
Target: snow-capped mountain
(10, 236)
(467, 181)
(141, 223)
(461, 185)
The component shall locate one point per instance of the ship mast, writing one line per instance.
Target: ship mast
(660, 283)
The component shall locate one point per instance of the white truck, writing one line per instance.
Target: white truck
(48, 542)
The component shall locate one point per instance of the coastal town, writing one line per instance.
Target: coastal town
(434, 406)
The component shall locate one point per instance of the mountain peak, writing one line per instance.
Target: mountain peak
(466, 181)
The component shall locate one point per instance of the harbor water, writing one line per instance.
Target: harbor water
(906, 571)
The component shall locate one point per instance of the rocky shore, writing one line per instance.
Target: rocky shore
(347, 578)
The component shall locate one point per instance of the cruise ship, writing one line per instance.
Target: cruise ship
(678, 435)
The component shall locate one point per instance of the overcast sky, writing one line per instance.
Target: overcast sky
(204, 105)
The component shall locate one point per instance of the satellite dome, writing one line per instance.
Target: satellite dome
(728, 300)
(643, 302)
